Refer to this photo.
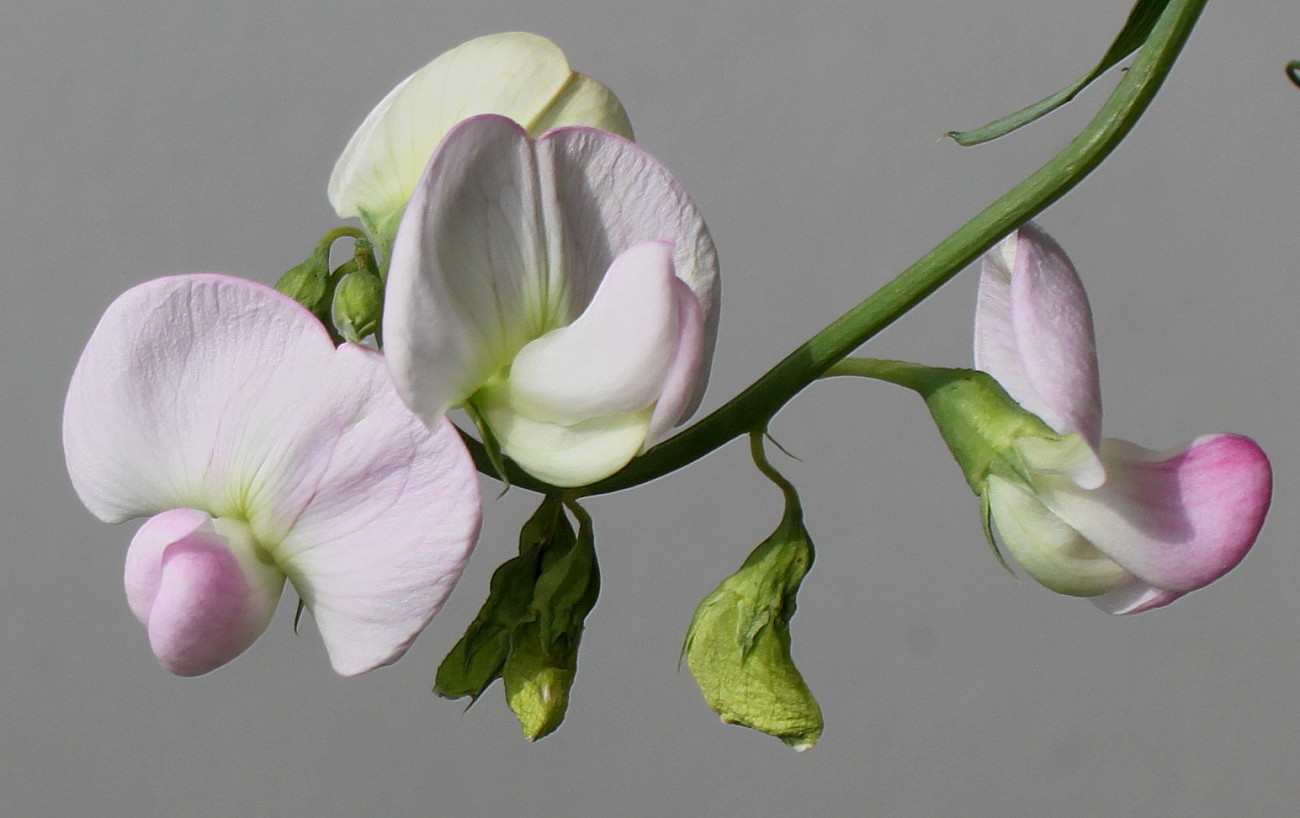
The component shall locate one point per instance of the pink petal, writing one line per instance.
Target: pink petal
(1033, 332)
(1176, 520)
(614, 357)
(200, 391)
(200, 607)
(143, 572)
(674, 403)
(388, 528)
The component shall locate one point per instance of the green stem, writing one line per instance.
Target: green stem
(760, 460)
(343, 231)
(917, 377)
(768, 394)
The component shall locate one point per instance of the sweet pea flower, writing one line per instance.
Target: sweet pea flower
(518, 75)
(221, 410)
(563, 288)
(1131, 528)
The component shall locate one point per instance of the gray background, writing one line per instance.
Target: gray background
(147, 137)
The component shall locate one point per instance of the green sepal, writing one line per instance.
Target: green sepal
(978, 420)
(528, 631)
(568, 584)
(980, 423)
(490, 445)
(738, 644)
(1137, 28)
(986, 523)
(543, 658)
(297, 614)
(383, 229)
(312, 283)
(363, 251)
(537, 679)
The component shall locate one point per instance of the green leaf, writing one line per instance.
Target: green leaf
(1141, 20)
(738, 645)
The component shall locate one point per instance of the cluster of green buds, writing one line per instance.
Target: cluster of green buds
(348, 299)
(527, 633)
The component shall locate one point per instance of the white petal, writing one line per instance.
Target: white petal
(1134, 597)
(683, 375)
(563, 454)
(506, 239)
(578, 402)
(518, 75)
(1070, 457)
(613, 195)
(995, 340)
(583, 101)
(1046, 547)
(615, 356)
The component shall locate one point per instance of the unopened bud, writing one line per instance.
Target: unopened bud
(309, 283)
(358, 305)
(537, 680)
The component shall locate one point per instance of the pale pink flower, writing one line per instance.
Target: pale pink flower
(1131, 528)
(220, 409)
